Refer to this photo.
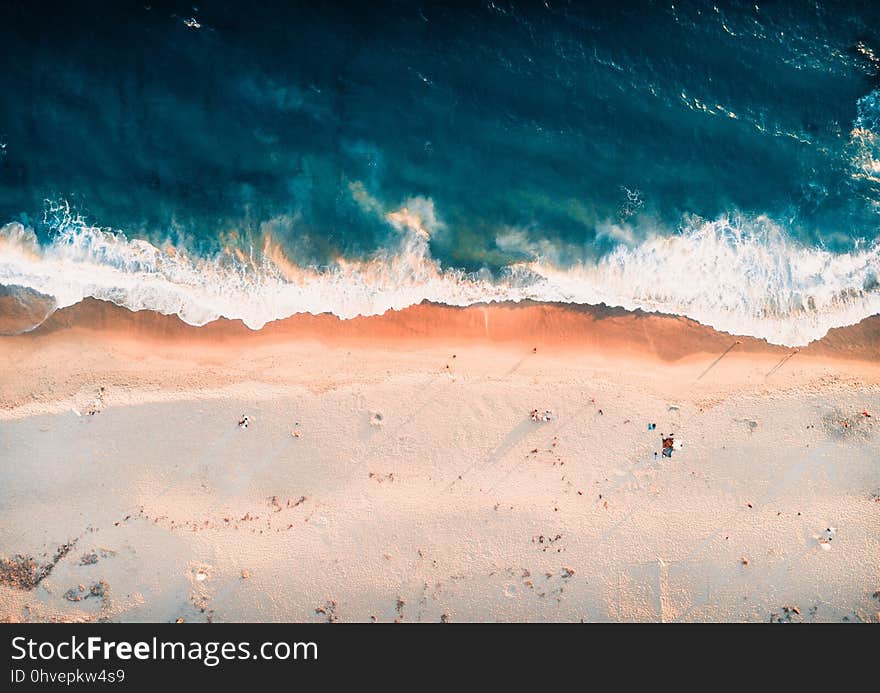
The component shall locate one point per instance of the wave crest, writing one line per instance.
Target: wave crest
(736, 274)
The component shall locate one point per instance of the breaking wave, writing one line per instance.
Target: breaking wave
(736, 274)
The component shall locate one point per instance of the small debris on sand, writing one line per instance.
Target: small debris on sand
(328, 610)
(567, 572)
(751, 423)
(547, 543)
(74, 594)
(379, 478)
(79, 593)
(21, 572)
(99, 589)
(546, 415)
(244, 421)
(851, 425)
(376, 419)
(97, 404)
(245, 575)
(89, 559)
(24, 573)
(790, 614)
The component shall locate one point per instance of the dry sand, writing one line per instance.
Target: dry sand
(419, 488)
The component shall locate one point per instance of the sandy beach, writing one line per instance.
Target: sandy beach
(390, 469)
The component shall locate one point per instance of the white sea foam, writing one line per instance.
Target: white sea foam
(743, 276)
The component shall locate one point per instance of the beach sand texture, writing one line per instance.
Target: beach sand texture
(390, 470)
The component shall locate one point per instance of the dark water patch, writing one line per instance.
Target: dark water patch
(171, 122)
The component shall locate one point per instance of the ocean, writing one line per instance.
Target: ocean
(716, 160)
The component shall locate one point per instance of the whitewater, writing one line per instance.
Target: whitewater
(737, 274)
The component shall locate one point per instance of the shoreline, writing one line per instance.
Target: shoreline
(559, 325)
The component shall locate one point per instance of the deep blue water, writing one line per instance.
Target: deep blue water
(552, 132)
